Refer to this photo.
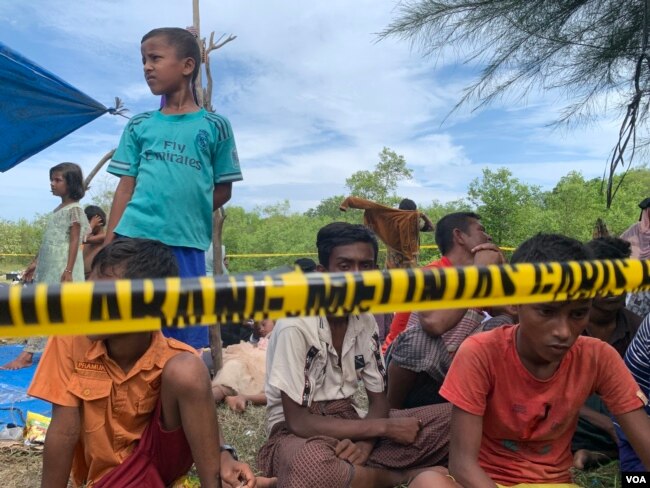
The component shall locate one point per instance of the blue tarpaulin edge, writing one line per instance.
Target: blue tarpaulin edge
(37, 108)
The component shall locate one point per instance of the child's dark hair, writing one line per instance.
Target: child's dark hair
(183, 41)
(341, 234)
(92, 210)
(73, 177)
(307, 265)
(544, 248)
(407, 204)
(610, 248)
(446, 225)
(136, 259)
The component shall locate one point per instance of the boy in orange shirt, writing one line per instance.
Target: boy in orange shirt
(517, 390)
(130, 409)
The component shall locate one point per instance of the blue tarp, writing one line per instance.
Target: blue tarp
(37, 108)
(14, 402)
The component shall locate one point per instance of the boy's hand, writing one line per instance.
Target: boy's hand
(403, 430)
(95, 221)
(354, 452)
(488, 253)
(236, 403)
(235, 474)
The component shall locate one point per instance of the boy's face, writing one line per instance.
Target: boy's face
(164, 71)
(548, 330)
(107, 275)
(359, 256)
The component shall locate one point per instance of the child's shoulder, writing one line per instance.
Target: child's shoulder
(140, 118)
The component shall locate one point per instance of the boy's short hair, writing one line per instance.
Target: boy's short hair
(138, 258)
(407, 204)
(446, 225)
(610, 248)
(342, 234)
(307, 265)
(92, 210)
(544, 248)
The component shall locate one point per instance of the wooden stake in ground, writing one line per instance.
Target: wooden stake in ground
(205, 100)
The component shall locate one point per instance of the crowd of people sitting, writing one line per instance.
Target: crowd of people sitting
(509, 395)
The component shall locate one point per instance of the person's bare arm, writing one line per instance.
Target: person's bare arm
(603, 422)
(400, 383)
(636, 425)
(95, 238)
(221, 194)
(304, 424)
(437, 322)
(464, 446)
(73, 249)
(122, 197)
(60, 441)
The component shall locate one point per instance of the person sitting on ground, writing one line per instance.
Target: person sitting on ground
(595, 439)
(240, 382)
(316, 437)
(398, 228)
(93, 240)
(461, 239)
(517, 390)
(418, 363)
(131, 409)
(638, 235)
(637, 360)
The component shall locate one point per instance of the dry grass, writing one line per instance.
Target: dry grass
(21, 467)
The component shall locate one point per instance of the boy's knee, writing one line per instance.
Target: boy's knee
(186, 373)
(316, 464)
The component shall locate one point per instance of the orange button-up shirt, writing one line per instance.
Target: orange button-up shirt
(115, 406)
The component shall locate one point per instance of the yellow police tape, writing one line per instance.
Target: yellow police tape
(139, 305)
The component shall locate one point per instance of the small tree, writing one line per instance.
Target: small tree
(379, 185)
(588, 48)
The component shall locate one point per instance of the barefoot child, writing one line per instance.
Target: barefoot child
(175, 164)
(59, 258)
(517, 390)
(130, 409)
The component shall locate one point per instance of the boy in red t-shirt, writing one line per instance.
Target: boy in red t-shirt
(517, 390)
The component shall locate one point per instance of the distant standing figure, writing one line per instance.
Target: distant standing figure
(638, 235)
(58, 259)
(398, 228)
(93, 240)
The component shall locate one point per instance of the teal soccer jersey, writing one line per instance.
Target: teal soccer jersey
(176, 161)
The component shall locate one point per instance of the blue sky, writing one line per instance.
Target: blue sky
(311, 94)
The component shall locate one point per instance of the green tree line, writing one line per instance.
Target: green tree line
(511, 211)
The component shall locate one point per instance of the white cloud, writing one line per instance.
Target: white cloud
(312, 97)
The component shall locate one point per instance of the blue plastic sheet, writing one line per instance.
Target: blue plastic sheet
(14, 402)
(37, 108)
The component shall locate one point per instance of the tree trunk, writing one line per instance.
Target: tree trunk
(97, 167)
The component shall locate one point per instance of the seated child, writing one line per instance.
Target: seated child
(240, 382)
(130, 409)
(517, 390)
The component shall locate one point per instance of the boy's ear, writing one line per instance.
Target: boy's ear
(188, 67)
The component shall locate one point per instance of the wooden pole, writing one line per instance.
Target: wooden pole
(218, 217)
(196, 23)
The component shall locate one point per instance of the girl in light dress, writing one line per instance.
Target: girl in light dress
(59, 258)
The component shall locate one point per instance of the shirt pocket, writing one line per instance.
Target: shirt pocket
(94, 393)
(147, 404)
